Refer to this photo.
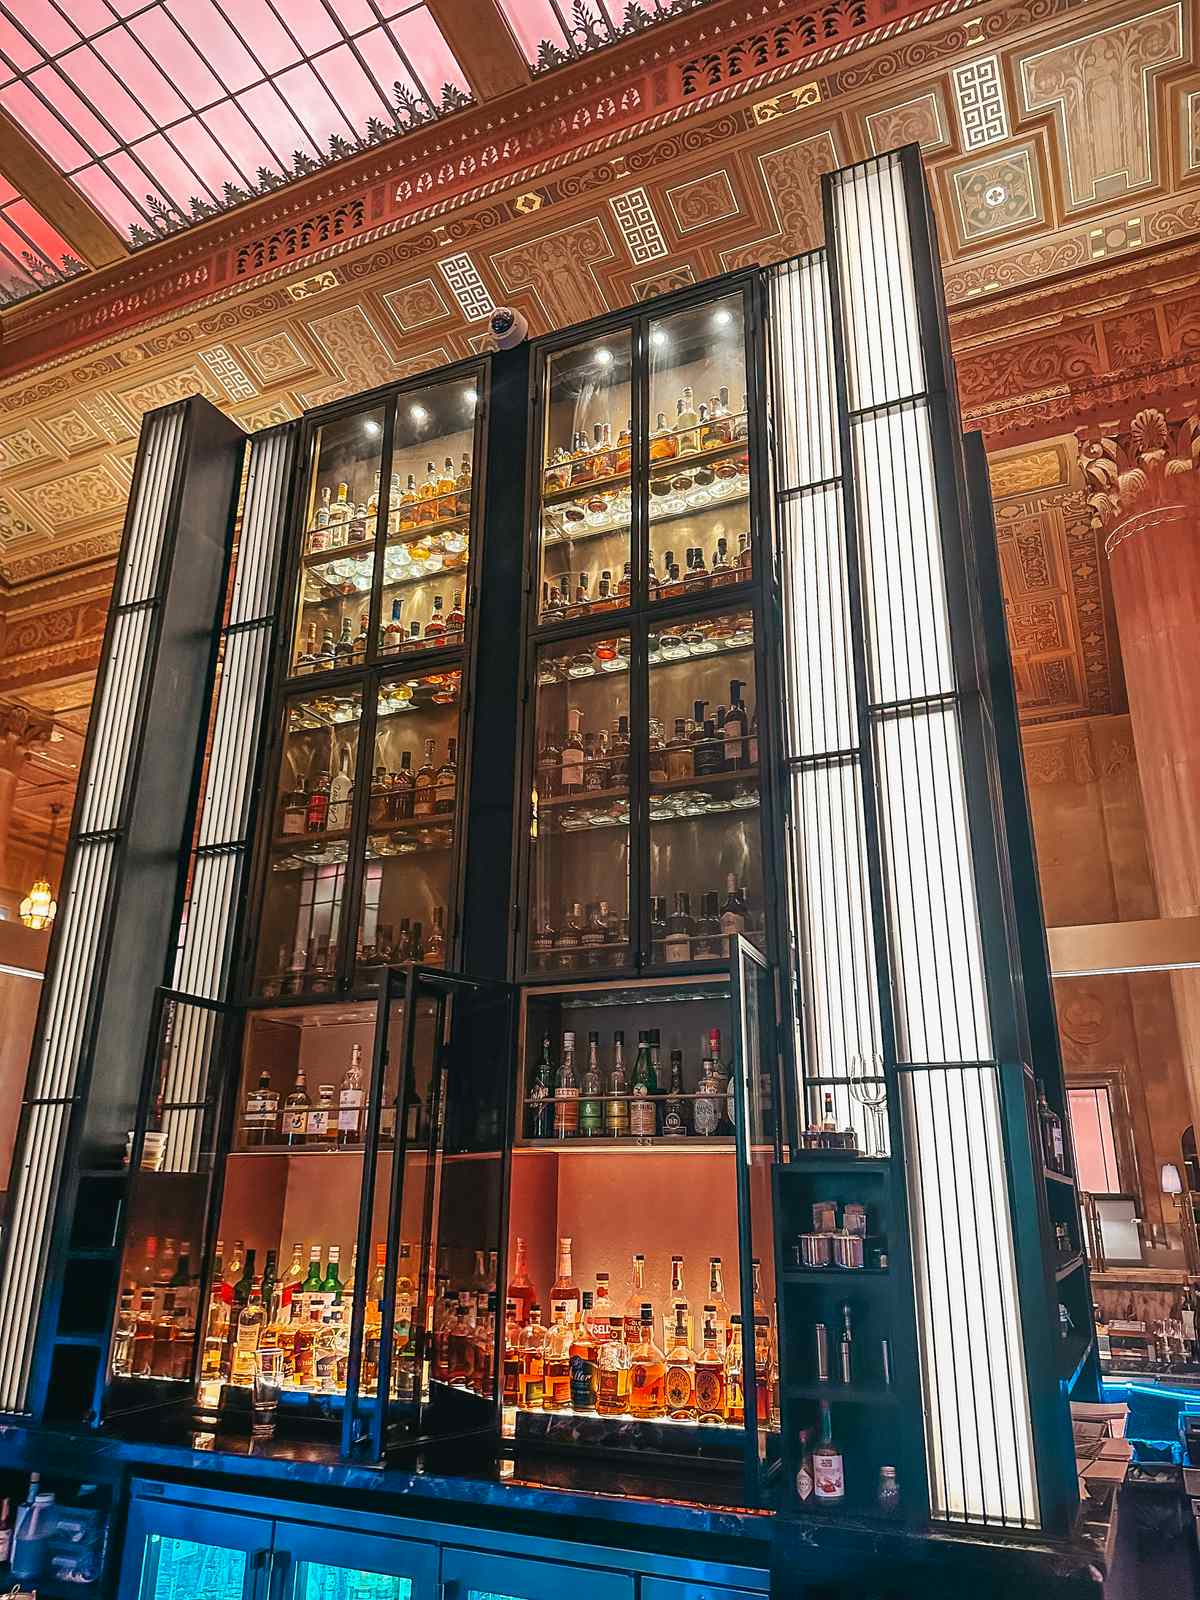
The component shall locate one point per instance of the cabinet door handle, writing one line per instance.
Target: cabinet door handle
(280, 1560)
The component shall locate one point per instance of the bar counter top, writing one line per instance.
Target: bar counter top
(600, 1501)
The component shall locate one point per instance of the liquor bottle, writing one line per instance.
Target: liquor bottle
(462, 486)
(532, 1381)
(241, 1299)
(643, 1109)
(317, 815)
(326, 653)
(829, 1469)
(393, 633)
(295, 805)
(323, 512)
(708, 749)
(846, 1348)
(632, 1315)
(887, 1495)
(331, 1283)
(583, 1354)
(377, 809)
(710, 1381)
(647, 1370)
(1051, 1127)
(680, 763)
(619, 754)
(456, 619)
(709, 942)
(142, 1343)
(741, 423)
(734, 912)
(569, 937)
(549, 765)
(677, 1302)
(658, 753)
(294, 1125)
(557, 1393)
(340, 792)
(425, 785)
(674, 1118)
(408, 505)
(621, 456)
(435, 628)
(343, 650)
(686, 422)
(401, 795)
(446, 781)
(829, 1121)
(678, 943)
(540, 1115)
(735, 1393)
(361, 637)
(433, 951)
(520, 1290)
(679, 1381)
(571, 767)
(595, 935)
(566, 1094)
(710, 1091)
(745, 557)
(261, 1116)
(616, 1106)
(564, 1292)
(716, 1299)
(663, 443)
(289, 1284)
(591, 1104)
(511, 1360)
(351, 1100)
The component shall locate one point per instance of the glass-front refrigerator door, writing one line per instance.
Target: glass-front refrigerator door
(312, 1563)
(176, 1553)
(755, 1088)
(435, 1299)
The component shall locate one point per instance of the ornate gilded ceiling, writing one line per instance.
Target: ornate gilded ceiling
(1063, 147)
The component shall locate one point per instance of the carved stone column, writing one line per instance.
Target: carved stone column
(1144, 492)
(21, 730)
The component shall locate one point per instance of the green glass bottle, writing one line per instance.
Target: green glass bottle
(331, 1285)
(643, 1108)
(591, 1104)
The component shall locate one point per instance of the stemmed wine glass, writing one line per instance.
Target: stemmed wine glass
(870, 1091)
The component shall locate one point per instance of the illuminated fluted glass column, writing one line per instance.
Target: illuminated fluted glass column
(946, 1021)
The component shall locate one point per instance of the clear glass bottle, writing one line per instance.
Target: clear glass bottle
(616, 1106)
(647, 1376)
(296, 1107)
(532, 1379)
(352, 1101)
(679, 1380)
(566, 1093)
(564, 1292)
(557, 1393)
(710, 1369)
(632, 1314)
(591, 1104)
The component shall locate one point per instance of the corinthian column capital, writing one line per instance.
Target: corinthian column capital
(21, 729)
(1141, 475)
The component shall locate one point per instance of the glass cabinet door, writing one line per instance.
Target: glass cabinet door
(181, 1553)
(308, 851)
(329, 1564)
(427, 549)
(699, 516)
(584, 506)
(579, 846)
(705, 828)
(412, 819)
(337, 564)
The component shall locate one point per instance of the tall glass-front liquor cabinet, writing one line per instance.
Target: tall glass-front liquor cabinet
(690, 1129)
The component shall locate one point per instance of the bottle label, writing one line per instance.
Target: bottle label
(583, 1383)
(673, 1125)
(616, 1117)
(566, 1109)
(641, 1113)
(732, 922)
(318, 1121)
(611, 1387)
(829, 1476)
(295, 1121)
(804, 1480)
(678, 947)
(679, 1388)
(706, 1114)
(591, 1115)
(350, 1103)
(710, 1390)
(254, 1110)
(567, 1307)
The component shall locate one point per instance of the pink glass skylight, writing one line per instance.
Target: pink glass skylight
(33, 255)
(166, 111)
(549, 32)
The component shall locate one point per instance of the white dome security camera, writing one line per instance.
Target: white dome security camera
(507, 327)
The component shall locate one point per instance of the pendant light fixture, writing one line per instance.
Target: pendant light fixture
(39, 905)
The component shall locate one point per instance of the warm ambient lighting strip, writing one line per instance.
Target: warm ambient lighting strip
(76, 968)
(979, 1443)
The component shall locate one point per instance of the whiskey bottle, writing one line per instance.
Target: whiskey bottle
(557, 1392)
(316, 815)
(400, 792)
(564, 1292)
(511, 1367)
(261, 1119)
(613, 1375)
(351, 1101)
(619, 754)
(647, 1370)
(616, 1106)
(686, 422)
(435, 628)
(462, 486)
(829, 1469)
(446, 781)
(322, 1118)
(716, 1299)
(455, 619)
(735, 1393)
(393, 632)
(532, 1382)
(323, 511)
(425, 785)
(1051, 1129)
(663, 443)
(679, 1379)
(658, 928)
(377, 810)
(288, 1285)
(674, 1119)
(294, 1126)
(624, 444)
(343, 650)
(566, 1097)
(571, 769)
(632, 1314)
(709, 942)
(677, 1302)
(307, 659)
(591, 1104)
(433, 951)
(584, 1353)
(327, 652)
(708, 750)
(736, 728)
(520, 1290)
(733, 911)
(680, 763)
(710, 1369)
(540, 1116)
(657, 753)
(601, 1318)
(569, 938)
(710, 1094)
(643, 1110)
(549, 768)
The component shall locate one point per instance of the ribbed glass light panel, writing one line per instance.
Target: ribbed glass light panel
(907, 611)
(977, 1423)
(117, 714)
(818, 654)
(34, 1186)
(875, 275)
(240, 695)
(151, 506)
(71, 982)
(805, 399)
(187, 1083)
(933, 918)
(201, 962)
(262, 516)
(832, 918)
